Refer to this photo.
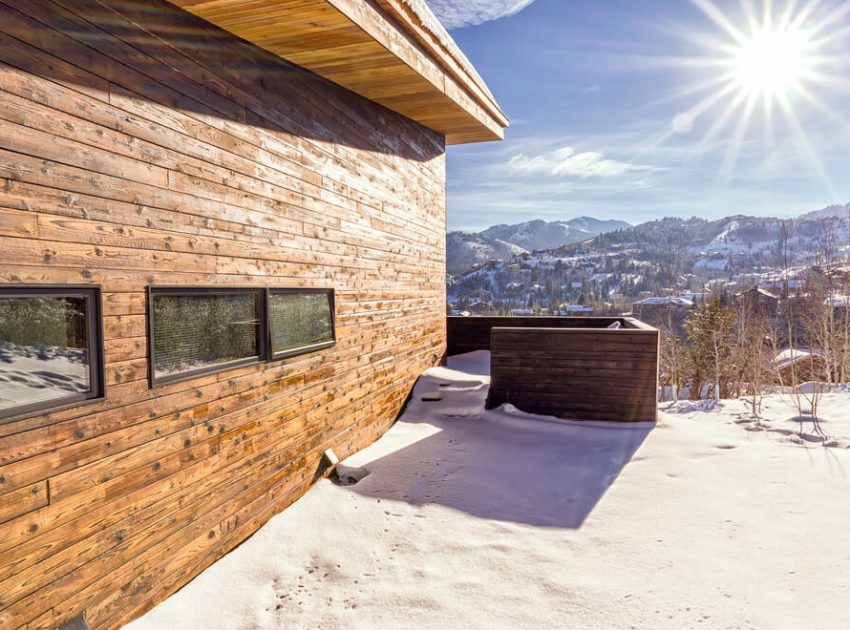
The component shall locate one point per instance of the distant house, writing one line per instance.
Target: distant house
(794, 366)
(760, 302)
(577, 310)
(221, 253)
(696, 297)
(480, 308)
(664, 312)
(839, 302)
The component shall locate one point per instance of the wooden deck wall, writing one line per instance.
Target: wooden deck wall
(580, 373)
(138, 146)
(466, 334)
(570, 367)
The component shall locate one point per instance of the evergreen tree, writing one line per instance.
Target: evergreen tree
(711, 332)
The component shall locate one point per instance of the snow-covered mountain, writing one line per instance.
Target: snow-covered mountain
(539, 234)
(655, 258)
(752, 240)
(466, 250)
(837, 211)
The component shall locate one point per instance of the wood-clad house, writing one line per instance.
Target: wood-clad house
(222, 251)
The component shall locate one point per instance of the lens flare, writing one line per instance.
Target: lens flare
(767, 64)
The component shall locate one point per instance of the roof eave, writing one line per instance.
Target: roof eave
(381, 50)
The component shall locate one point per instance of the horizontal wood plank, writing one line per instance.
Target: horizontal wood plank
(128, 161)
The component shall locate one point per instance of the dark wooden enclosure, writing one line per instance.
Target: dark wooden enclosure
(570, 367)
(466, 334)
(141, 147)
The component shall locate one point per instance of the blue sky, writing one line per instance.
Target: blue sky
(606, 118)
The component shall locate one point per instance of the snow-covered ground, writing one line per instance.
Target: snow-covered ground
(779, 416)
(31, 374)
(498, 519)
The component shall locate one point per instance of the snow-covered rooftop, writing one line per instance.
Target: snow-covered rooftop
(674, 300)
(759, 291)
(498, 519)
(792, 356)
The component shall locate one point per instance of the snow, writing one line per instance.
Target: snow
(422, 11)
(34, 374)
(838, 301)
(490, 519)
(677, 301)
(779, 417)
(712, 264)
(790, 356)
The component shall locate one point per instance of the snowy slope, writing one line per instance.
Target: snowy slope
(466, 250)
(539, 234)
(472, 519)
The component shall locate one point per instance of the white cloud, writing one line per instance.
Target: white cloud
(460, 13)
(567, 162)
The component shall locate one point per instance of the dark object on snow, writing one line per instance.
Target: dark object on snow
(77, 623)
(348, 475)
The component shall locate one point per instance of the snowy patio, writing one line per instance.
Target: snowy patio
(485, 519)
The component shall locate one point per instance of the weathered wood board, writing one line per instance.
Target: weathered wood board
(140, 145)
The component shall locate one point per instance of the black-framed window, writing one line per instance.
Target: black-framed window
(51, 348)
(300, 321)
(200, 330)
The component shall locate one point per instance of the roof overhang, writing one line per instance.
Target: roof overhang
(393, 52)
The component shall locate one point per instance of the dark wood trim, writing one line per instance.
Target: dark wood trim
(94, 324)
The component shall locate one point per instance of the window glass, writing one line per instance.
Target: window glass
(300, 319)
(45, 350)
(195, 332)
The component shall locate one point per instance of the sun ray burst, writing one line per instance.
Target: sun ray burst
(757, 69)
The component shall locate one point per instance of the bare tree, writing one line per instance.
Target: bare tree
(674, 363)
(755, 339)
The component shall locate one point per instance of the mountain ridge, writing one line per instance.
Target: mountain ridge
(612, 269)
(468, 249)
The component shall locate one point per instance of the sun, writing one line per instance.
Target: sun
(771, 62)
(761, 70)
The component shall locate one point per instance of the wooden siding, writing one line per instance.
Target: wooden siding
(138, 146)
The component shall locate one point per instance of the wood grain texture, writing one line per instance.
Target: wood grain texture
(140, 145)
(570, 367)
(379, 50)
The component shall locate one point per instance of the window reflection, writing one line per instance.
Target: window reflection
(44, 349)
